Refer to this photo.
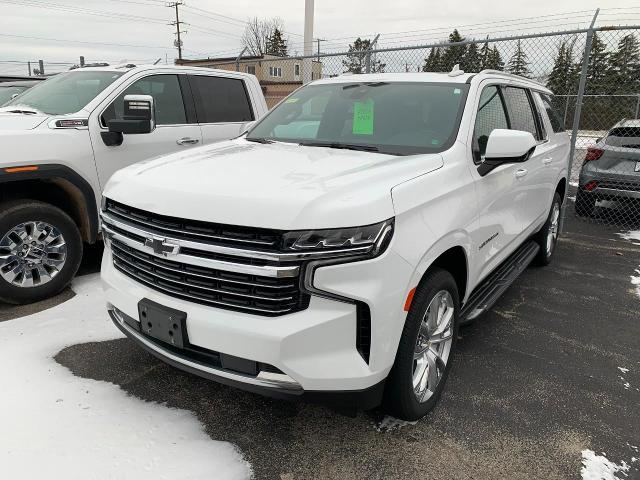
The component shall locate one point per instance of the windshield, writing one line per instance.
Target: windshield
(400, 118)
(6, 93)
(66, 92)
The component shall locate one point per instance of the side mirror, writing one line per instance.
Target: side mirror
(139, 117)
(506, 146)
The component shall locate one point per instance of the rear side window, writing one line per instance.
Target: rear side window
(166, 92)
(548, 101)
(624, 137)
(491, 115)
(521, 113)
(221, 100)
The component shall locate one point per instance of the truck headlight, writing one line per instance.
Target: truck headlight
(368, 240)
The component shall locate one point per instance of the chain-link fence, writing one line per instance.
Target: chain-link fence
(594, 73)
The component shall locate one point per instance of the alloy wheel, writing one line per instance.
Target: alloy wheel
(32, 254)
(552, 235)
(433, 345)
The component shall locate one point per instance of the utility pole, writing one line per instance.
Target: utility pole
(41, 67)
(307, 64)
(177, 23)
(29, 67)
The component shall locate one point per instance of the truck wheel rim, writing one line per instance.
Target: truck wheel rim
(552, 236)
(32, 254)
(433, 345)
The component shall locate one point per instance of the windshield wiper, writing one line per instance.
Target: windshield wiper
(344, 146)
(26, 112)
(259, 140)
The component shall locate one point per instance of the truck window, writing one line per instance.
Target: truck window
(548, 101)
(491, 115)
(520, 111)
(220, 100)
(165, 90)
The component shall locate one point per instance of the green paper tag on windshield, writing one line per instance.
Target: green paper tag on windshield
(363, 118)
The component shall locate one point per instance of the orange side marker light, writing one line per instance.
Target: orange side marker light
(407, 303)
(29, 168)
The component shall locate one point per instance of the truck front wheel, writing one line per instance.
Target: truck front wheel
(40, 251)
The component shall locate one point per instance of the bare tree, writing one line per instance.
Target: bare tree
(257, 32)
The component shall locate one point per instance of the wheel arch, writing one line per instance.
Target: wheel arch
(561, 188)
(59, 186)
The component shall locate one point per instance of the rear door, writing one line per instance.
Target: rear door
(223, 106)
(176, 128)
(533, 184)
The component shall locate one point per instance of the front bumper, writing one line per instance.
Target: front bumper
(314, 350)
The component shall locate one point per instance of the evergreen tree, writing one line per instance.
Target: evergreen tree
(471, 61)
(276, 44)
(357, 58)
(598, 69)
(453, 54)
(494, 60)
(562, 78)
(433, 62)
(624, 64)
(485, 55)
(519, 64)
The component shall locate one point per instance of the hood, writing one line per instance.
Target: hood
(20, 121)
(280, 185)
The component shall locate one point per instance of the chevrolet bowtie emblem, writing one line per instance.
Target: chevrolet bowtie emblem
(160, 246)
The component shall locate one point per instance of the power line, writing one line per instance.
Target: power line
(83, 42)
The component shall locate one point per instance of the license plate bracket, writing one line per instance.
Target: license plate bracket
(162, 323)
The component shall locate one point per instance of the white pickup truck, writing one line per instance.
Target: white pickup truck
(60, 145)
(332, 252)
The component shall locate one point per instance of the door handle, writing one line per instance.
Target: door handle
(187, 141)
(521, 172)
(547, 161)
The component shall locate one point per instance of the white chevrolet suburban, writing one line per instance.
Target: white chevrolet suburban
(332, 252)
(62, 140)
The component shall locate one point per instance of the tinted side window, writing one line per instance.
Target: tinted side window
(520, 111)
(165, 90)
(491, 115)
(221, 100)
(554, 116)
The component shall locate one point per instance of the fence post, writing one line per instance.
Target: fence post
(367, 57)
(238, 59)
(578, 110)
(637, 105)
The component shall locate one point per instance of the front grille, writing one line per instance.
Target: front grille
(194, 230)
(224, 289)
(235, 268)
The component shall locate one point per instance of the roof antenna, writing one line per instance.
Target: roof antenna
(455, 71)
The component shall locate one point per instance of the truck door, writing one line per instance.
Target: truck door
(176, 127)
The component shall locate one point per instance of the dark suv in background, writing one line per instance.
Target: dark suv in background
(611, 169)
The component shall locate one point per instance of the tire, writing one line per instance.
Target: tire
(585, 204)
(53, 249)
(400, 398)
(547, 237)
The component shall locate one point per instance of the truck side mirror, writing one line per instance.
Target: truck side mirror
(139, 117)
(506, 146)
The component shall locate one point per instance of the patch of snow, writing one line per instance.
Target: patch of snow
(55, 424)
(623, 370)
(573, 199)
(636, 281)
(631, 235)
(389, 423)
(598, 467)
(573, 184)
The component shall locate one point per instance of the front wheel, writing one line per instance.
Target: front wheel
(40, 251)
(424, 354)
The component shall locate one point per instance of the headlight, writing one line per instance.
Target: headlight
(366, 240)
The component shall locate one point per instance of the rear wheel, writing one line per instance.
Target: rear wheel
(585, 204)
(547, 237)
(40, 250)
(424, 354)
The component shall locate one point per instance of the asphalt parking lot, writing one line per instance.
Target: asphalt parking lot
(534, 382)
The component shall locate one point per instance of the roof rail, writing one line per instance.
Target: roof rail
(511, 75)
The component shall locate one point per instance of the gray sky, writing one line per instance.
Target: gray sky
(339, 21)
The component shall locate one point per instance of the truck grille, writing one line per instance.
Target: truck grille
(206, 270)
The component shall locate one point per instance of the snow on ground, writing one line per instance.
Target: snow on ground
(598, 467)
(635, 281)
(389, 423)
(632, 235)
(57, 425)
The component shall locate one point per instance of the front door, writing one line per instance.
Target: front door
(175, 130)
